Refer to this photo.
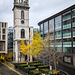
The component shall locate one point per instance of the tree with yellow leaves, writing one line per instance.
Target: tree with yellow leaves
(34, 48)
(25, 49)
(37, 44)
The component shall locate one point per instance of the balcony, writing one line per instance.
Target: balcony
(46, 31)
(67, 43)
(60, 43)
(58, 36)
(74, 44)
(45, 37)
(73, 24)
(51, 43)
(73, 14)
(73, 33)
(66, 34)
(66, 26)
(41, 32)
(51, 37)
(58, 28)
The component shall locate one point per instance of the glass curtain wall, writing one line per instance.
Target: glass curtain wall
(73, 26)
(41, 30)
(58, 34)
(51, 32)
(67, 42)
(67, 20)
(51, 29)
(45, 29)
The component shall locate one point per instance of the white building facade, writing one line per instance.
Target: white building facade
(3, 39)
(21, 28)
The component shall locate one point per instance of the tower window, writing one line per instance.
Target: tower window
(22, 22)
(22, 14)
(22, 33)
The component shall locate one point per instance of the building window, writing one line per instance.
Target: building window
(67, 16)
(2, 25)
(22, 14)
(5, 25)
(3, 37)
(41, 29)
(46, 27)
(51, 25)
(22, 22)
(58, 23)
(3, 31)
(73, 13)
(22, 33)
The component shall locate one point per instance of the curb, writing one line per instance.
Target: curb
(66, 64)
(64, 72)
(12, 69)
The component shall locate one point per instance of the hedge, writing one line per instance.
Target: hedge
(36, 64)
(45, 70)
(32, 62)
(26, 69)
(35, 72)
(43, 67)
(17, 64)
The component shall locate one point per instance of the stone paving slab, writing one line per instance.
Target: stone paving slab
(6, 71)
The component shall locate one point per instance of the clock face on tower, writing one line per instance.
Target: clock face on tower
(22, 22)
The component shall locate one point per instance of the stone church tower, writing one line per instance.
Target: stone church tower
(21, 28)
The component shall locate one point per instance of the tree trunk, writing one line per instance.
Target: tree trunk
(55, 66)
(55, 62)
(49, 61)
(43, 61)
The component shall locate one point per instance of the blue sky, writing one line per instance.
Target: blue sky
(39, 10)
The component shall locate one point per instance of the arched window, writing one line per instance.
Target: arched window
(22, 14)
(22, 33)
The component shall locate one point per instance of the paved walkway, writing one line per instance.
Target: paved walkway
(6, 70)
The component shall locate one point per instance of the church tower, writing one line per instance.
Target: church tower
(21, 28)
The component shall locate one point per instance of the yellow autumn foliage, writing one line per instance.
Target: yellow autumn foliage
(34, 48)
(24, 48)
(37, 43)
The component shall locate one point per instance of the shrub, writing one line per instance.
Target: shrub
(43, 67)
(23, 65)
(32, 62)
(45, 70)
(35, 72)
(36, 64)
(26, 69)
(17, 64)
(53, 72)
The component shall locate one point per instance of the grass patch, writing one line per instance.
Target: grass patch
(55, 72)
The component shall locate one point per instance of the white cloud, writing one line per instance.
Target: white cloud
(39, 9)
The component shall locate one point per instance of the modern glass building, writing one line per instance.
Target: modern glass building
(61, 29)
(34, 30)
(10, 38)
